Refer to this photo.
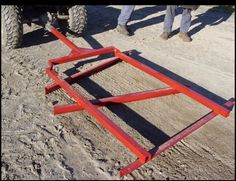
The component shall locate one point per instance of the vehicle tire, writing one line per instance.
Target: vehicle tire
(12, 26)
(76, 24)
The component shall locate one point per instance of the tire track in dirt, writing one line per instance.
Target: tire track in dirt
(38, 149)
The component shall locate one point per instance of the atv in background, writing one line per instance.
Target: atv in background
(71, 19)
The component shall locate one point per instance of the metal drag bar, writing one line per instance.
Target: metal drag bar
(104, 120)
(92, 107)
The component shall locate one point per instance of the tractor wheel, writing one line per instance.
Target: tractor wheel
(76, 24)
(12, 26)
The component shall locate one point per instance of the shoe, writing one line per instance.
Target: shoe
(184, 36)
(165, 35)
(123, 30)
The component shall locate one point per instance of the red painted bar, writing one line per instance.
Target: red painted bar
(131, 167)
(104, 120)
(77, 56)
(178, 86)
(73, 78)
(62, 38)
(175, 139)
(59, 109)
(76, 53)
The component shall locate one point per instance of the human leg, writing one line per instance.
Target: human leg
(168, 21)
(123, 19)
(185, 25)
(125, 14)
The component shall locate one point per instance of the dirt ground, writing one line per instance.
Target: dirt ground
(39, 145)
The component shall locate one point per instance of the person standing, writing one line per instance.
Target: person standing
(185, 21)
(124, 18)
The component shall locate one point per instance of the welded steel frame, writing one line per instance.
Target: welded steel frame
(91, 106)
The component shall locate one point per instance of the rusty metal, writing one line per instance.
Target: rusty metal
(91, 106)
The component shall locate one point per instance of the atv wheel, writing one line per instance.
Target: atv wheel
(12, 26)
(76, 24)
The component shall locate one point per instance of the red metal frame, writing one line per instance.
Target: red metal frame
(143, 156)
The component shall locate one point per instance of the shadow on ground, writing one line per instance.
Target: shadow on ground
(107, 18)
(37, 37)
(129, 116)
(101, 18)
(211, 17)
(104, 18)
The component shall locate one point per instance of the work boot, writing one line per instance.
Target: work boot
(165, 35)
(184, 36)
(123, 30)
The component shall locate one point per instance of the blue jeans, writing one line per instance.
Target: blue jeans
(170, 15)
(125, 14)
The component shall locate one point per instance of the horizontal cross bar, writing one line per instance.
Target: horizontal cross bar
(59, 109)
(77, 56)
(73, 78)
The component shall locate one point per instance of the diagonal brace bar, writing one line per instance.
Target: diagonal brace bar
(117, 99)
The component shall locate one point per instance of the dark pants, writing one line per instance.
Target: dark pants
(125, 14)
(170, 15)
